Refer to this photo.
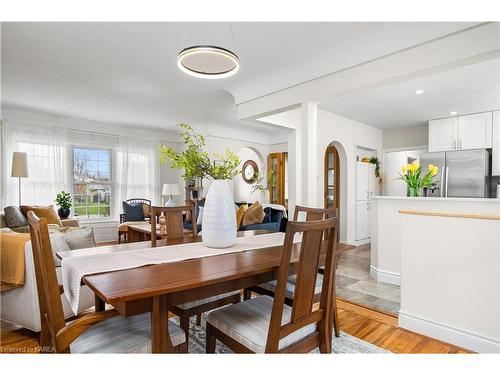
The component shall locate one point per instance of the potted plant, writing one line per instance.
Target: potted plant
(219, 218)
(63, 200)
(415, 180)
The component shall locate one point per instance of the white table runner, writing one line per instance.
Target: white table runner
(75, 267)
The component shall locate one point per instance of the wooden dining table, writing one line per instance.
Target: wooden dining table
(154, 288)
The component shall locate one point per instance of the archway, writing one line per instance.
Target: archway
(335, 183)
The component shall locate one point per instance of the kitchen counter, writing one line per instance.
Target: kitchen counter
(385, 265)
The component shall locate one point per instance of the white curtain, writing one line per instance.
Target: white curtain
(136, 172)
(47, 167)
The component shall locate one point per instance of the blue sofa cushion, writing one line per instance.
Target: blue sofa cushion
(132, 212)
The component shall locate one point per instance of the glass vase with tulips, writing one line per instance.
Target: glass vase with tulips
(415, 179)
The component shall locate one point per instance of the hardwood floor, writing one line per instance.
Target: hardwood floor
(372, 326)
(382, 330)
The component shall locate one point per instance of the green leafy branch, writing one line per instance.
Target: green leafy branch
(195, 161)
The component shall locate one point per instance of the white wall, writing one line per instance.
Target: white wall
(406, 137)
(350, 135)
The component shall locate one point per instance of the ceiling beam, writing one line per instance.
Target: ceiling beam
(470, 46)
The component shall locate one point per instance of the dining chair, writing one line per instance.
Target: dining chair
(92, 332)
(175, 231)
(269, 288)
(268, 325)
(174, 219)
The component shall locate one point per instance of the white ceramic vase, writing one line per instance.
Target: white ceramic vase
(219, 216)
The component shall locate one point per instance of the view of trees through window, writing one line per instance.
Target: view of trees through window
(92, 182)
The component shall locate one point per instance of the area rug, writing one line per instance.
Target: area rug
(345, 344)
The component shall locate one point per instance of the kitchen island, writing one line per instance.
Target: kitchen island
(445, 254)
(385, 265)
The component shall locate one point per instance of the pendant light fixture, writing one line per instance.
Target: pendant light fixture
(208, 61)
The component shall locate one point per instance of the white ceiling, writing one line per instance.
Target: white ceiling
(126, 73)
(470, 89)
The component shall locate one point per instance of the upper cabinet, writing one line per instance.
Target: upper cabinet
(474, 131)
(495, 145)
(442, 134)
(461, 133)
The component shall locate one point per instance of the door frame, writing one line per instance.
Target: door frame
(332, 149)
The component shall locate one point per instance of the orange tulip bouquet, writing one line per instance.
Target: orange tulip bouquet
(415, 179)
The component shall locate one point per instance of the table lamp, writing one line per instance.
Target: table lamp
(170, 189)
(19, 168)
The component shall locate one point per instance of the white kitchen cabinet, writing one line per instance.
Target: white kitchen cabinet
(367, 187)
(461, 133)
(442, 134)
(366, 181)
(474, 131)
(495, 144)
(362, 220)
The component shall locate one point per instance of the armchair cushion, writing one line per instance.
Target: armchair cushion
(80, 238)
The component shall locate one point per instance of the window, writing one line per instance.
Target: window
(92, 182)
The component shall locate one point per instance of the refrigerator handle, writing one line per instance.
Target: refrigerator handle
(442, 182)
(446, 182)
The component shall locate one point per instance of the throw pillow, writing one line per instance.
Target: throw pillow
(46, 212)
(147, 210)
(239, 215)
(14, 217)
(133, 212)
(199, 219)
(254, 215)
(80, 238)
(58, 243)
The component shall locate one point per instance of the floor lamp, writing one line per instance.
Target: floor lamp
(19, 168)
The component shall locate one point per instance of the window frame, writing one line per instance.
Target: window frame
(111, 176)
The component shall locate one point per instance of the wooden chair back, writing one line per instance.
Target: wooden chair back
(307, 270)
(175, 222)
(49, 298)
(315, 213)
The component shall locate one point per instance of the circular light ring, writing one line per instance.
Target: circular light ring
(212, 51)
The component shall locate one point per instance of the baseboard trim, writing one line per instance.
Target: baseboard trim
(385, 276)
(452, 335)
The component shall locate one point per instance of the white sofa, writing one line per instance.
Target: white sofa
(20, 305)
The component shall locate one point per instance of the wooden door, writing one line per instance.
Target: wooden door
(332, 177)
(276, 177)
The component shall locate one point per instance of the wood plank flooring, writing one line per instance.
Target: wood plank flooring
(372, 326)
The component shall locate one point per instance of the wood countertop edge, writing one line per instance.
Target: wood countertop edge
(452, 214)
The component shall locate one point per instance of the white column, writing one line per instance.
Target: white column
(302, 160)
(309, 125)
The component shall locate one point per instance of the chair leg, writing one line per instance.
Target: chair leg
(210, 340)
(198, 319)
(184, 323)
(335, 322)
(247, 294)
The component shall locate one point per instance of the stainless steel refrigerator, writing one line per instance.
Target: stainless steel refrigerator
(463, 173)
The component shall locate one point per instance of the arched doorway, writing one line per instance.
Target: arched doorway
(331, 185)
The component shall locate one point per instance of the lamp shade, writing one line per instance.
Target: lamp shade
(19, 164)
(170, 189)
